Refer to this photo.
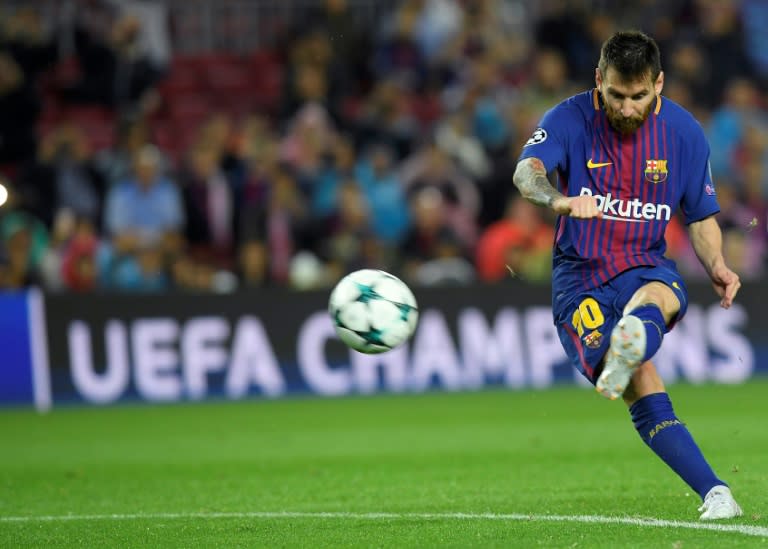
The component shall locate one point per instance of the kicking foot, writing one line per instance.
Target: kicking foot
(719, 504)
(624, 356)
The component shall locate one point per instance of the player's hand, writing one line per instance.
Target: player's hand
(726, 284)
(580, 207)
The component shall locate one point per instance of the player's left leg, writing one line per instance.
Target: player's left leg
(669, 438)
(637, 336)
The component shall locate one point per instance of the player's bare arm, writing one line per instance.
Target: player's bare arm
(531, 179)
(707, 241)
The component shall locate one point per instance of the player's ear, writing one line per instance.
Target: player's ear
(598, 78)
(659, 84)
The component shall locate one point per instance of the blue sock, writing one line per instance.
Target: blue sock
(668, 437)
(655, 327)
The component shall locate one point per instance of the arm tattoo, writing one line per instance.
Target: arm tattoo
(531, 179)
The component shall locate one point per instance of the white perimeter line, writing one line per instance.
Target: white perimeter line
(38, 340)
(759, 531)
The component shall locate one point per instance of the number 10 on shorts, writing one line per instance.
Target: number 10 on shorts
(587, 317)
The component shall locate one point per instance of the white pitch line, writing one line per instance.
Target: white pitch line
(758, 531)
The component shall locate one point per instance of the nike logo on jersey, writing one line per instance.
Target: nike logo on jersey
(629, 210)
(592, 165)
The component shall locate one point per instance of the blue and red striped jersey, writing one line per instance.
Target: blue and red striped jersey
(640, 181)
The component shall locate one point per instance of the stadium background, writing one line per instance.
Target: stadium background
(290, 142)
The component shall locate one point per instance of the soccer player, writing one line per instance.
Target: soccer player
(615, 163)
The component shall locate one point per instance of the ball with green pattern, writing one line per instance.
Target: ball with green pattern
(373, 311)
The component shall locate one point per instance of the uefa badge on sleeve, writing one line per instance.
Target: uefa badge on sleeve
(539, 136)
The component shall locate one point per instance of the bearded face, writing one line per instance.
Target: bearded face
(627, 103)
(627, 124)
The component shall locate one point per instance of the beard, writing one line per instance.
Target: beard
(625, 125)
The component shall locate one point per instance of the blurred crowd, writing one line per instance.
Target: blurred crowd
(386, 145)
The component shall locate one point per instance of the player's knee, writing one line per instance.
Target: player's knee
(659, 294)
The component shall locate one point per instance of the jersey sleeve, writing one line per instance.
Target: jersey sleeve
(549, 141)
(699, 200)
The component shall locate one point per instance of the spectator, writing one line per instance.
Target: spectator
(377, 175)
(518, 245)
(432, 251)
(314, 76)
(144, 218)
(338, 165)
(260, 167)
(397, 55)
(563, 27)
(25, 52)
(743, 246)
(114, 72)
(337, 21)
(688, 64)
(209, 206)
(754, 187)
(728, 124)
(751, 161)
(24, 37)
(66, 173)
(348, 242)
(722, 41)
(304, 146)
(754, 20)
(79, 269)
(280, 222)
(19, 111)
(23, 241)
(454, 136)
(439, 21)
(115, 163)
(145, 209)
(154, 41)
(349, 42)
(385, 117)
(549, 83)
(485, 99)
(430, 167)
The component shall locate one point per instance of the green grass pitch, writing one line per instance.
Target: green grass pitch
(556, 468)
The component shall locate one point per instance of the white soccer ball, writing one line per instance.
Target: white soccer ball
(373, 311)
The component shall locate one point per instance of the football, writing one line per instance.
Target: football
(373, 311)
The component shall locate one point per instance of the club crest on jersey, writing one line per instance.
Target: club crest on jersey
(593, 339)
(539, 136)
(656, 170)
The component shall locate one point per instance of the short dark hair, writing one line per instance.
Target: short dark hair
(632, 54)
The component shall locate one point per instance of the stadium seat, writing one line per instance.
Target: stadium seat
(189, 107)
(268, 87)
(180, 82)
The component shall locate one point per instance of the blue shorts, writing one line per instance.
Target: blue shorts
(584, 323)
